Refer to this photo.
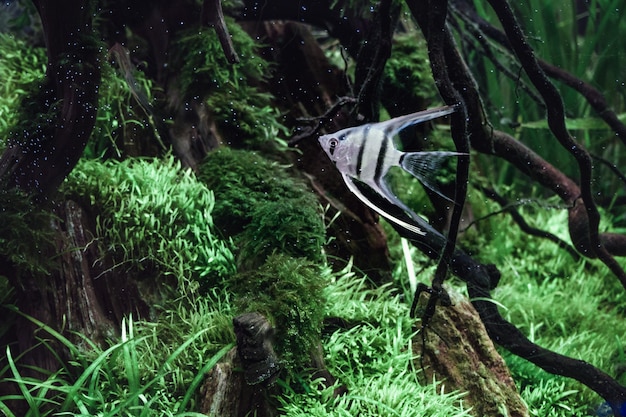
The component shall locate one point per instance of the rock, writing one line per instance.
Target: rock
(459, 353)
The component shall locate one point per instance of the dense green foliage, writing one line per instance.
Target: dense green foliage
(277, 226)
(21, 67)
(231, 91)
(572, 308)
(154, 218)
(372, 357)
(26, 234)
(121, 113)
(262, 207)
(409, 65)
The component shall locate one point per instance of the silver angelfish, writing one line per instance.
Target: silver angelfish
(366, 153)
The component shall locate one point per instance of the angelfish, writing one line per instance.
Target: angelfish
(366, 153)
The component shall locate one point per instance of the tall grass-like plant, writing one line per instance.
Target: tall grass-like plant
(583, 38)
(118, 380)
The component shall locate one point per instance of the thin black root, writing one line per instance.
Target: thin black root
(436, 294)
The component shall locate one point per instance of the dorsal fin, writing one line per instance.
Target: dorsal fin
(393, 126)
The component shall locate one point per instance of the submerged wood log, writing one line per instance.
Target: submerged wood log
(225, 392)
(241, 383)
(455, 348)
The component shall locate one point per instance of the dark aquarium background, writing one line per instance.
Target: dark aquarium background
(174, 241)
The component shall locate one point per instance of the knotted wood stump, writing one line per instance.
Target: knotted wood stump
(458, 352)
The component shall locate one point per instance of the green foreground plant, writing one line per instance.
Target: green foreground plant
(372, 358)
(22, 66)
(154, 218)
(152, 369)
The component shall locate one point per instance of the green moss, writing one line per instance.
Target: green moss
(291, 227)
(276, 224)
(232, 92)
(288, 291)
(241, 180)
(26, 233)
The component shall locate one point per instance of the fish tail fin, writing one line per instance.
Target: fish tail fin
(430, 167)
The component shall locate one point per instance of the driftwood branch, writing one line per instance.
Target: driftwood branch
(436, 34)
(594, 97)
(213, 16)
(556, 122)
(524, 226)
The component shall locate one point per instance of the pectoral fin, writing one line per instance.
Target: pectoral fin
(355, 190)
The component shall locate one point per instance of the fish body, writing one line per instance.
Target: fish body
(366, 153)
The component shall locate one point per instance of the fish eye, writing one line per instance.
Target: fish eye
(332, 144)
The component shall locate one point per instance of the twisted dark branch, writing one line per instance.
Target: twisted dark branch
(526, 228)
(486, 49)
(435, 31)
(594, 97)
(372, 57)
(213, 16)
(556, 122)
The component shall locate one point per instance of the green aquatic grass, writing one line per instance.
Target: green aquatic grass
(574, 308)
(22, 67)
(150, 369)
(372, 358)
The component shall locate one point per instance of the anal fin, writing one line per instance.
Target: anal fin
(355, 190)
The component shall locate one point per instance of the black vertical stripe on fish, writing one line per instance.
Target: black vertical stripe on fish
(380, 162)
(359, 159)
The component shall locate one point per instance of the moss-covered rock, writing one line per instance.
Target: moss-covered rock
(262, 207)
(288, 291)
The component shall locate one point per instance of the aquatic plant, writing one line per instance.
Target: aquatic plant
(371, 357)
(22, 68)
(120, 116)
(26, 233)
(244, 112)
(288, 291)
(241, 180)
(144, 371)
(277, 227)
(154, 218)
